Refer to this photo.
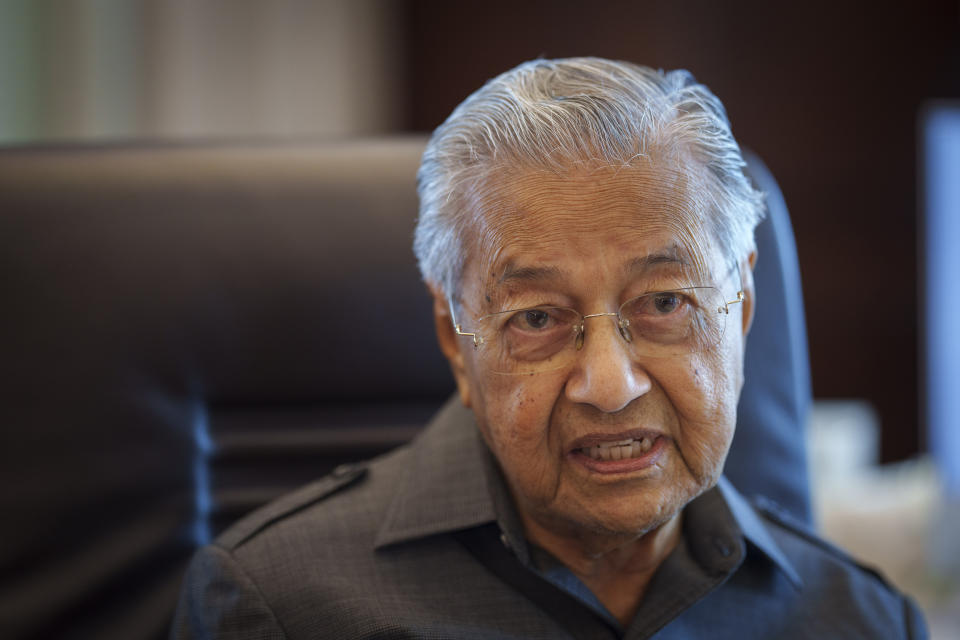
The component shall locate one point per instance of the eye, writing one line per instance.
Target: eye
(540, 320)
(667, 302)
(531, 320)
(662, 306)
(535, 318)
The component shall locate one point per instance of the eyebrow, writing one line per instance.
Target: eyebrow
(548, 274)
(648, 262)
(530, 274)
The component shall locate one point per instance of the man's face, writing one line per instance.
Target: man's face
(589, 240)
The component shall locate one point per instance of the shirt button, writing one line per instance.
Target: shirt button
(504, 540)
(722, 546)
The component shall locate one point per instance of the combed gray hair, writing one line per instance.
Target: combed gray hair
(551, 113)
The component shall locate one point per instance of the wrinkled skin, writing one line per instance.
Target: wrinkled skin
(574, 240)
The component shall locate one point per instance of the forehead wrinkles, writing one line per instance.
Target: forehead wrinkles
(534, 213)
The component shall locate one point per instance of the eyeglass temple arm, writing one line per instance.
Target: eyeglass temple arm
(456, 327)
(726, 305)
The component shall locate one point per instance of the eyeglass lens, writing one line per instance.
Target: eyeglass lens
(659, 324)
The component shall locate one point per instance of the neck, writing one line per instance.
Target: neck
(617, 568)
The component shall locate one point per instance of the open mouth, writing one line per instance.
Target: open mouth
(619, 450)
(623, 455)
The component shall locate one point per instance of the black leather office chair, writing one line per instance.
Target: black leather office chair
(189, 331)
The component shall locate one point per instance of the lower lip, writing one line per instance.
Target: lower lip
(648, 459)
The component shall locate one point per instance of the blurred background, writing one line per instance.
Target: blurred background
(851, 104)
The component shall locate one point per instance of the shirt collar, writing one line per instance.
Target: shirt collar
(444, 487)
(755, 531)
(453, 483)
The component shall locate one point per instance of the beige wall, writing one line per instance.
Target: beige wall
(106, 69)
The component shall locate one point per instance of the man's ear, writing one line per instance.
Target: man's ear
(449, 342)
(749, 291)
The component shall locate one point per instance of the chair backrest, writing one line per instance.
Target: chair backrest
(768, 455)
(189, 331)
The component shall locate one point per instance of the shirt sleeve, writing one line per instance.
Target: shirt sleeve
(220, 601)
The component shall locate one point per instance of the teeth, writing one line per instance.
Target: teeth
(620, 450)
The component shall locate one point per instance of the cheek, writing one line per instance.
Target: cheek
(518, 415)
(702, 390)
(705, 394)
(514, 413)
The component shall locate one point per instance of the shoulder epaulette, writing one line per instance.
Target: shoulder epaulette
(774, 511)
(247, 527)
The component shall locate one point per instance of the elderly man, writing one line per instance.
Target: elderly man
(586, 231)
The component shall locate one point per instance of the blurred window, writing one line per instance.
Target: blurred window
(940, 128)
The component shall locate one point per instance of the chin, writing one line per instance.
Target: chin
(637, 520)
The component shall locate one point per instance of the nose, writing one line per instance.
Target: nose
(606, 374)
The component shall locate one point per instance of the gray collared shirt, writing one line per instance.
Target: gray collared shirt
(425, 543)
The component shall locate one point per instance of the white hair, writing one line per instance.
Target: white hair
(553, 113)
